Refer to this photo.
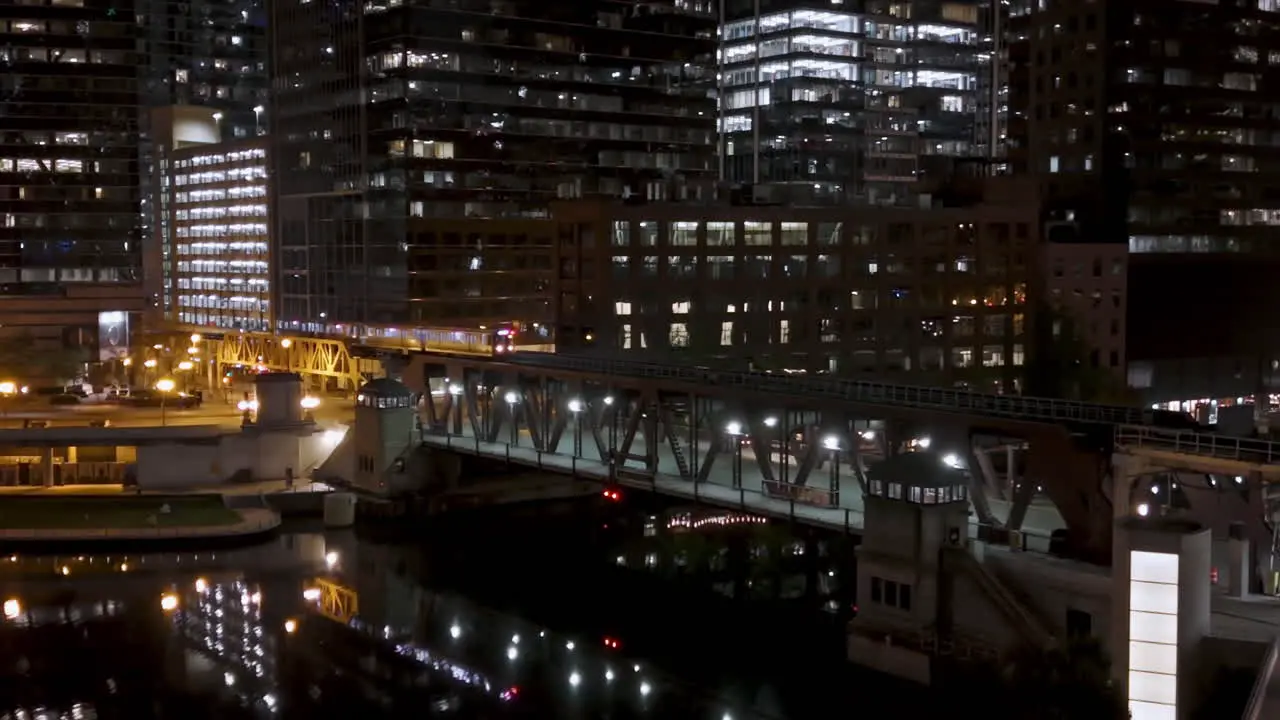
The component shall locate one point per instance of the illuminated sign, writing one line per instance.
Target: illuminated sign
(1153, 635)
(113, 336)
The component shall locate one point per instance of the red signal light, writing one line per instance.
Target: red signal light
(613, 495)
(611, 643)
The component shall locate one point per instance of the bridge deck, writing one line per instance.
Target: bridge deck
(847, 514)
(853, 391)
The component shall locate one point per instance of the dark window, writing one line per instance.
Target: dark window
(904, 597)
(1079, 624)
(890, 593)
(876, 589)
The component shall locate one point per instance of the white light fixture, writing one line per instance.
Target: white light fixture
(733, 428)
(455, 389)
(831, 442)
(512, 653)
(330, 559)
(952, 460)
(511, 397)
(455, 632)
(771, 421)
(868, 435)
(608, 399)
(924, 443)
(1144, 510)
(575, 406)
(575, 679)
(645, 689)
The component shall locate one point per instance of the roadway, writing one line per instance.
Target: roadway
(331, 411)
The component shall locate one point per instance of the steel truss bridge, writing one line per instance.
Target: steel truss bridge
(793, 446)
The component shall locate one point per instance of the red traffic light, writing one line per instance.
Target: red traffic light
(611, 643)
(613, 495)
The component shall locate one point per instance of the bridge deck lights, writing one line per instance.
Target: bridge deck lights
(575, 405)
(831, 442)
(455, 390)
(771, 421)
(733, 428)
(511, 397)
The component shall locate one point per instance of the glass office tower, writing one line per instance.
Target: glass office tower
(847, 102)
(394, 118)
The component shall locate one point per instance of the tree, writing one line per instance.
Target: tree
(24, 360)
(1060, 366)
(1065, 683)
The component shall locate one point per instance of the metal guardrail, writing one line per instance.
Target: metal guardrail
(1222, 447)
(856, 391)
(1258, 697)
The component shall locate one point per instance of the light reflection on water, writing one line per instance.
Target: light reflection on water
(244, 633)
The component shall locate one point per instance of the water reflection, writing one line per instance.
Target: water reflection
(270, 633)
(631, 612)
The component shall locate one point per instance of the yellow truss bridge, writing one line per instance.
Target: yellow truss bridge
(336, 601)
(349, 361)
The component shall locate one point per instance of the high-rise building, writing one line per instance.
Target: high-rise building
(77, 80)
(195, 53)
(395, 118)
(69, 241)
(1153, 127)
(933, 295)
(215, 254)
(848, 102)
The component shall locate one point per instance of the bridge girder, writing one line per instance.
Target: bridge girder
(642, 428)
(337, 601)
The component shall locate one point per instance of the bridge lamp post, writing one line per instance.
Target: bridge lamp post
(734, 431)
(309, 404)
(455, 391)
(832, 444)
(576, 407)
(165, 386)
(512, 398)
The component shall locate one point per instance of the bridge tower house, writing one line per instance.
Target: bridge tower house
(917, 506)
(384, 436)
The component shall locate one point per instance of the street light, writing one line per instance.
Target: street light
(576, 407)
(512, 398)
(165, 386)
(8, 389)
(186, 365)
(734, 430)
(309, 404)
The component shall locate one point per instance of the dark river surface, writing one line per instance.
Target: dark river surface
(640, 609)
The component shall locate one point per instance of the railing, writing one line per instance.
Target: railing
(1258, 697)
(856, 391)
(1206, 444)
(1004, 599)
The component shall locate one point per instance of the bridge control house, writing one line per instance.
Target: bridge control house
(936, 295)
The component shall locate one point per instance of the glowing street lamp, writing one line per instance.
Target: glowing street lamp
(309, 404)
(196, 338)
(165, 386)
(149, 364)
(185, 365)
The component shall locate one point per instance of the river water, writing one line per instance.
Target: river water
(620, 612)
